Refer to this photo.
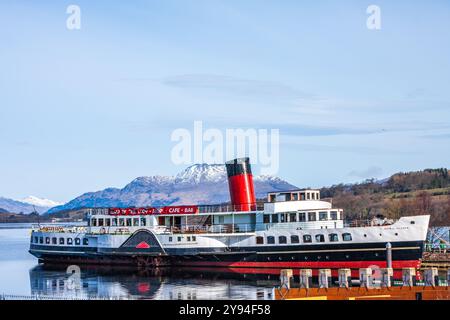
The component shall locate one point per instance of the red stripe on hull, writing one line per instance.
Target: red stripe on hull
(275, 267)
(398, 264)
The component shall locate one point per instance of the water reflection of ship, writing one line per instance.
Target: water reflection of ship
(167, 284)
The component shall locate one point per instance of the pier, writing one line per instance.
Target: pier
(384, 287)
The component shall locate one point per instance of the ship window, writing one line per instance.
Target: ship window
(41, 240)
(259, 240)
(295, 196)
(188, 238)
(128, 222)
(274, 218)
(194, 238)
(47, 240)
(320, 238)
(94, 222)
(312, 216)
(101, 223)
(54, 241)
(295, 239)
(308, 196)
(114, 222)
(108, 222)
(77, 241)
(283, 217)
(323, 215)
(61, 240)
(143, 222)
(121, 222)
(271, 240)
(346, 237)
(136, 222)
(302, 216)
(36, 239)
(85, 241)
(266, 218)
(170, 239)
(334, 215)
(307, 238)
(334, 237)
(282, 240)
(69, 240)
(293, 217)
(179, 239)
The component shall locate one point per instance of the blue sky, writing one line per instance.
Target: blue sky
(92, 108)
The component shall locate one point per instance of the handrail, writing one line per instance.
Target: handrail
(221, 208)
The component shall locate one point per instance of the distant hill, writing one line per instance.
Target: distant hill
(26, 206)
(420, 192)
(198, 184)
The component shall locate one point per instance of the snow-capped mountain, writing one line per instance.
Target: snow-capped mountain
(198, 184)
(46, 203)
(27, 205)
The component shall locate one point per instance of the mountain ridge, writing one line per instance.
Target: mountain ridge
(198, 184)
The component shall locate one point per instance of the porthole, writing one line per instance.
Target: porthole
(347, 256)
(279, 258)
(396, 234)
(327, 257)
(319, 257)
(365, 235)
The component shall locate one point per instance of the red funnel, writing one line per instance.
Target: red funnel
(240, 182)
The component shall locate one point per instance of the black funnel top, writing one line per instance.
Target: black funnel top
(238, 166)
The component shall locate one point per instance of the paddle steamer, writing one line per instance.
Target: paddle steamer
(291, 229)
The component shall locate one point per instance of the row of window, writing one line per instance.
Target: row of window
(332, 237)
(188, 238)
(62, 241)
(118, 222)
(301, 216)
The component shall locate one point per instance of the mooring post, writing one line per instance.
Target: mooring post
(305, 278)
(389, 255)
(345, 278)
(409, 277)
(387, 277)
(285, 278)
(365, 277)
(431, 276)
(324, 278)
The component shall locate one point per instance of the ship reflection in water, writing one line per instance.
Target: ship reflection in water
(165, 284)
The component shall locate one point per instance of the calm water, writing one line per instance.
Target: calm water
(20, 274)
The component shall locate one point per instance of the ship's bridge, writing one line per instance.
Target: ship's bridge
(301, 206)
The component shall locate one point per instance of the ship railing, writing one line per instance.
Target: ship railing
(59, 228)
(231, 208)
(202, 209)
(368, 223)
(221, 228)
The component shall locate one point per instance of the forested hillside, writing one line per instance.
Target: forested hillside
(411, 193)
